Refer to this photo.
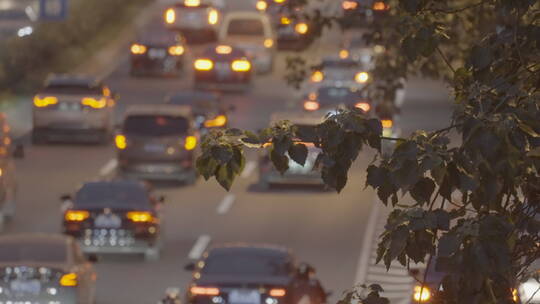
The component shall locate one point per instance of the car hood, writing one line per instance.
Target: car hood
(232, 280)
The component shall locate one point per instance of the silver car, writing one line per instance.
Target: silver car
(44, 268)
(73, 108)
(296, 174)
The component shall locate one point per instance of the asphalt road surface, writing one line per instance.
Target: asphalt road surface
(324, 229)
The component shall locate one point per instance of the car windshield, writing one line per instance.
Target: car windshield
(245, 27)
(158, 36)
(37, 251)
(246, 264)
(112, 195)
(156, 125)
(338, 94)
(340, 64)
(72, 89)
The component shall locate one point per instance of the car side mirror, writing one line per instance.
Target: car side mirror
(189, 267)
(65, 197)
(92, 258)
(18, 151)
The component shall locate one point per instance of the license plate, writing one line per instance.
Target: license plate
(156, 148)
(239, 296)
(156, 53)
(110, 221)
(69, 106)
(32, 287)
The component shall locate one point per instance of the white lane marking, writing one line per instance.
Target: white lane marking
(367, 243)
(226, 203)
(109, 167)
(248, 169)
(199, 247)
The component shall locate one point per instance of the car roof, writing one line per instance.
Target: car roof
(159, 109)
(258, 249)
(72, 79)
(22, 238)
(118, 183)
(299, 118)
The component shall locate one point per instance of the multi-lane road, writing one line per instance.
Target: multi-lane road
(325, 229)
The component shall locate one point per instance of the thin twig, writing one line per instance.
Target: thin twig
(446, 60)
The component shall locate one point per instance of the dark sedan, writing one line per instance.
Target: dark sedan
(333, 96)
(244, 274)
(223, 67)
(43, 268)
(157, 51)
(114, 217)
(359, 13)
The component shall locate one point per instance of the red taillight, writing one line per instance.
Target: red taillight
(204, 291)
(311, 105)
(277, 292)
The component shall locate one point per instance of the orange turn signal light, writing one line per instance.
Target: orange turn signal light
(277, 292)
(206, 291)
(311, 105)
(387, 123)
(76, 215)
(140, 216)
(69, 280)
(190, 143)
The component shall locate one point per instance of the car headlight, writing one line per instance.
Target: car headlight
(176, 50)
(138, 49)
(170, 16)
(213, 17)
(361, 77)
(268, 43)
(421, 293)
(301, 28)
(241, 65)
(261, 5)
(317, 76)
(203, 64)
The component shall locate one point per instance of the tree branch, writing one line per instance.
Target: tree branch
(446, 60)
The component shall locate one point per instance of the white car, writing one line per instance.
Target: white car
(197, 20)
(252, 32)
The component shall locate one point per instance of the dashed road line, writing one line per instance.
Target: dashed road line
(248, 169)
(369, 238)
(199, 247)
(109, 167)
(226, 204)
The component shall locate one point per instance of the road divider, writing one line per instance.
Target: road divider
(199, 247)
(248, 169)
(226, 204)
(108, 168)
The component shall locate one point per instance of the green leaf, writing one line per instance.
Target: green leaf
(280, 161)
(409, 47)
(398, 243)
(298, 153)
(423, 190)
(251, 139)
(222, 153)
(376, 176)
(527, 129)
(206, 166)
(225, 177)
(480, 57)
(534, 152)
(443, 219)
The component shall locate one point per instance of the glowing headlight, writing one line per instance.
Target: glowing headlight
(213, 17)
(241, 65)
(138, 49)
(301, 28)
(268, 43)
(204, 64)
(421, 293)
(170, 16)
(361, 77)
(317, 76)
(261, 5)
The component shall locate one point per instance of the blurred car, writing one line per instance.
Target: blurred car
(42, 268)
(157, 142)
(296, 174)
(252, 32)
(114, 217)
(360, 13)
(206, 107)
(69, 107)
(332, 96)
(18, 20)
(341, 68)
(223, 67)
(292, 33)
(197, 20)
(252, 274)
(157, 51)
(8, 182)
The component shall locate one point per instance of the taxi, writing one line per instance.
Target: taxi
(73, 108)
(223, 67)
(197, 20)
